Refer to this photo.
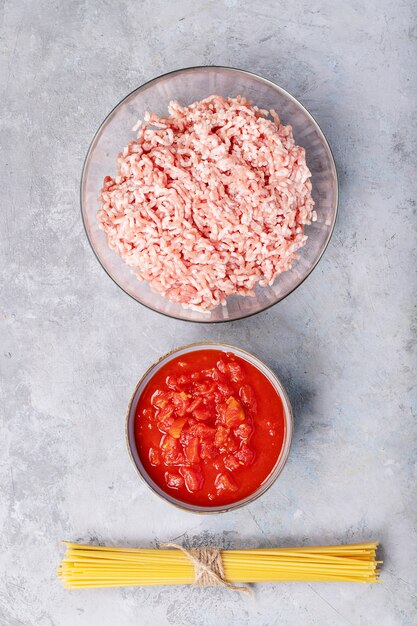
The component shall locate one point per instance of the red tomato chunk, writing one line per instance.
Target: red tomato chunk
(224, 482)
(192, 451)
(203, 427)
(154, 456)
(248, 397)
(174, 481)
(193, 477)
(233, 413)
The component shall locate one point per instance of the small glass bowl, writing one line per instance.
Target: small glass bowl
(130, 426)
(187, 86)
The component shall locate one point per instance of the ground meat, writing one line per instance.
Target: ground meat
(209, 201)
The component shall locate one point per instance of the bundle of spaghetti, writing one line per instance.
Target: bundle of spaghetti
(101, 566)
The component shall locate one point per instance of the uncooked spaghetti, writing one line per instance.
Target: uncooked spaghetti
(101, 566)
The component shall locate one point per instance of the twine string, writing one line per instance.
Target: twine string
(208, 568)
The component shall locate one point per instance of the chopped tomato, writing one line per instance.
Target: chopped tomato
(224, 482)
(165, 424)
(231, 463)
(177, 426)
(208, 450)
(165, 413)
(225, 389)
(235, 372)
(248, 397)
(243, 431)
(194, 404)
(234, 413)
(232, 444)
(205, 389)
(244, 455)
(175, 481)
(202, 431)
(193, 477)
(181, 402)
(221, 410)
(192, 451)
(187, 433)
(218, 398)
(160, 399)
(154, 457)
(172, 451)
(221, 436)
(201, 414)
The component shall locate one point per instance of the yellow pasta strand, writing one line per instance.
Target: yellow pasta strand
(102, 566)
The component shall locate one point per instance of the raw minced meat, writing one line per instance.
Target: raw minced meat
(208, 201)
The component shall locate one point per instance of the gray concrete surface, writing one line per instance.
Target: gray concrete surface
(73, 344)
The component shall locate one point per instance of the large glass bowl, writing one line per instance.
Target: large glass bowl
(187, 86)
(131, 416)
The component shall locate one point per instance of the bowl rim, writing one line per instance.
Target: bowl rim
(282, 458)
(275, 86)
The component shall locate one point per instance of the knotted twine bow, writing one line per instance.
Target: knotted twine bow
(208, 568)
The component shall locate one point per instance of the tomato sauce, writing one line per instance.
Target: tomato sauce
(209, 428)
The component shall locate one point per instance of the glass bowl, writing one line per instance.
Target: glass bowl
(187, 86)
(130, 426)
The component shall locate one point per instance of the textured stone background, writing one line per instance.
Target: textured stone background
(73, 344)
